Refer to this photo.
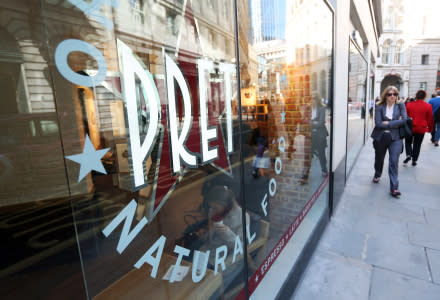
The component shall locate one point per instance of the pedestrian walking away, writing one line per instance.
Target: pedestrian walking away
(421, 114)
(435, 134)
(390, 114)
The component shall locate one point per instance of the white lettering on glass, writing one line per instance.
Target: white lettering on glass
(178, 149)
(207, 134)
(130, 67)
(238, 248)
(181, 253)
(92, 9)
(278, 165)
(150, 259)
(61, 61)
(228, 70)
(200, 264)
(281, 144)
(272, 187)
(126, 236)
(248, 233)
(220, 259)
(264, 204)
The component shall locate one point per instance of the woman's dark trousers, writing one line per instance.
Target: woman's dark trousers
(413, 145)
(394, 148)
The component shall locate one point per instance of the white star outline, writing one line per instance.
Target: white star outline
(89, 159)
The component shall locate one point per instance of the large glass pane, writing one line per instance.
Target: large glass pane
(145, 90)
(356, 106)
(285, 69)
(39, 246)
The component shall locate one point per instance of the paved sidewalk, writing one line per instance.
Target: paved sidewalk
(378, 247)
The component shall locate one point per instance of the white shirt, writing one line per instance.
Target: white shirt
(389, 112)
(314, 112)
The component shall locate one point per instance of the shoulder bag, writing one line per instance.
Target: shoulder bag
(405, 131)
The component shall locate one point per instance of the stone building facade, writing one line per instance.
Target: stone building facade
(410, 48)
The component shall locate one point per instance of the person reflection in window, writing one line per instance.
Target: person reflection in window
(319, 138)
(224, 220)
(319, 133)
(224, 225)
(260, 142)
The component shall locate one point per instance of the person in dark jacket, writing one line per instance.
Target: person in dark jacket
(319, 133)
(421, 114)
(389, 116)
(435, 133)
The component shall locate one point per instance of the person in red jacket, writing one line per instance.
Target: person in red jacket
(421, 114)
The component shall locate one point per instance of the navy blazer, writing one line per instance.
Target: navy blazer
(399, 119)
(318, 123)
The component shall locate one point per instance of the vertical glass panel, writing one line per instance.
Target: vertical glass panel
(371, 102)
(39, 250)
(357, 89)
(146, 90)
(285, 70)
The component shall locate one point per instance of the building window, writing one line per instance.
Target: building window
(425, 59)
(399, 17)
(307, 54)
(137, 11)
(173, 21)
(314, 81)
(423, 86)
(437, 84)
(388, 19)
(399, 22)
(386, 52)
(315, 52)
(398, 53)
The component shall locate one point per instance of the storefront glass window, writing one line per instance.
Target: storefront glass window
(140, 158)
(286, 141)
(122, 114)
(356, 107)
(39, 245)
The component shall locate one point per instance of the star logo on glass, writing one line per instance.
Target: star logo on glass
(89, 159)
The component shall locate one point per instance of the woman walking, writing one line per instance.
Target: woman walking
(389, 116)
(421, 114)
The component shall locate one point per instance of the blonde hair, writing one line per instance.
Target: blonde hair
(383, 97)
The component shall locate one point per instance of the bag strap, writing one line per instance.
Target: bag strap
(400, 108)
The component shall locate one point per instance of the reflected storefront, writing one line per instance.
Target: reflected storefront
(160, 149)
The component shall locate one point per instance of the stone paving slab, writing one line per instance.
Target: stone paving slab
(333, 277)
(362, 193)
(398, 211)
(434, 263)
(391, 254)
(387, 285)
(374, 225)
(424, 235)
(427, 174)
(425, 200)
(343, 241)
(433, 216)
(357, 204)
